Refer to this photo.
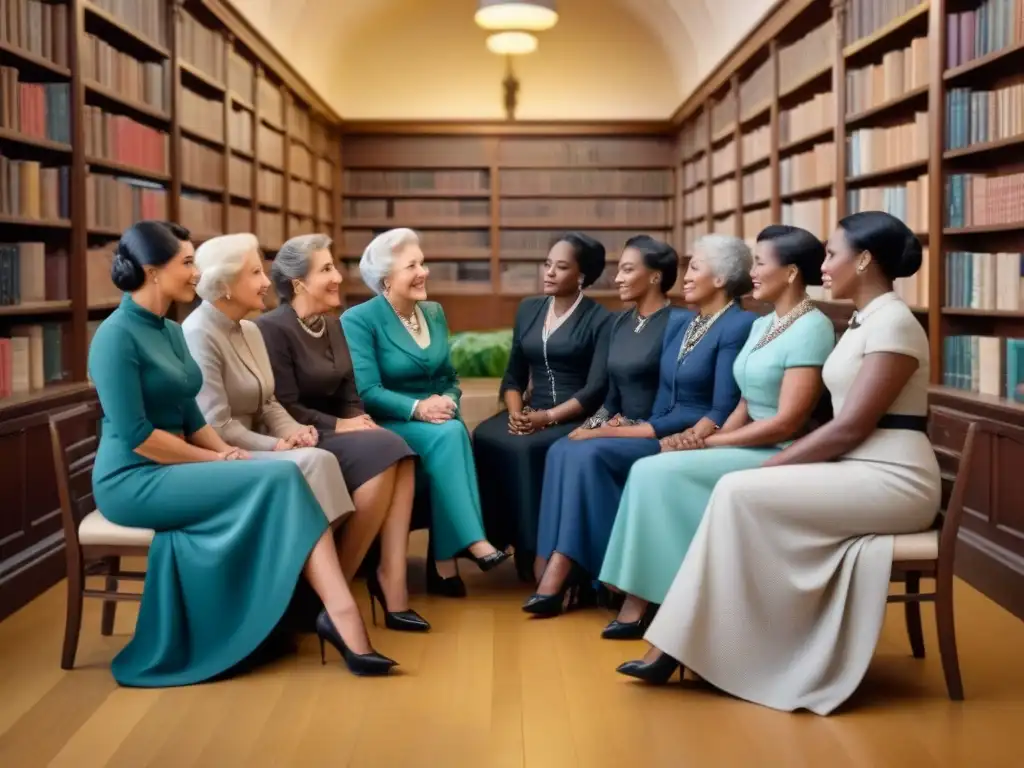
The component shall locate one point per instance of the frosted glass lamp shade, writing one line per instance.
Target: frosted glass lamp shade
(511, 43)
(518, 15)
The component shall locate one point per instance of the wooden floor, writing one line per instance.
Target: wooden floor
(489, 688)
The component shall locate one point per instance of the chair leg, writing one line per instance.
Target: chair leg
(73, 619)
(912, 612)
(110, 606)
(946, 629)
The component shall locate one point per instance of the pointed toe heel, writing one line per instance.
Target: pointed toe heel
(370, 664)
(399, 621)
(630, 630)
(657, 672)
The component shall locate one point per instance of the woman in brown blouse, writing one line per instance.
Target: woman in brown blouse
(315, 383)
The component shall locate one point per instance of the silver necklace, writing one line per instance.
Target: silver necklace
(315, 327)
(642, 320)
(696, 331)
(411, 323)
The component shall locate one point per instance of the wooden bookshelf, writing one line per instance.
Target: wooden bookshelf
(918, 109)
(149, 116)
(487, 205)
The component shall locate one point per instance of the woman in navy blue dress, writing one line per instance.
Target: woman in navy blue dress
(585, 473)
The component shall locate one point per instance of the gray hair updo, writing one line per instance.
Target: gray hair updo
(729, 258)
(379, 256)
(292, 263)
(220, 260)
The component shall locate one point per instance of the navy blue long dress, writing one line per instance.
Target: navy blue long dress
(583, 479)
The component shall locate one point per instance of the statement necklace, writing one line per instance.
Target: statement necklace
(411, 323)
(782, 323)
(697, 329)
(642, 320)
(315, 327)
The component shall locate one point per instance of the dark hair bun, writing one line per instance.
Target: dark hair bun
(798, 247)
(893, 246)
(911, 259)
(590, 255)
(126, 273)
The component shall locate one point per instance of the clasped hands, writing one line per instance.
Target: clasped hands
(687, 440)
(527, 422)
(605, 430)
(303, 437)
(435, 409)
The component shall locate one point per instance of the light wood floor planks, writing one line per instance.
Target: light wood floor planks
(490, 688)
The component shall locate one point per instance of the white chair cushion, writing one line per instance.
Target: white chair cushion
(96, 529)
(916, 546)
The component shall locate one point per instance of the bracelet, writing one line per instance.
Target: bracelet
(551, 417)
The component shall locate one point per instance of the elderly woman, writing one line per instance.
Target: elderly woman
(404, 373)
(555, 342)
(585, 473)
(315, 383)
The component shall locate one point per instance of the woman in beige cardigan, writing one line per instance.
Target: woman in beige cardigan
(237, 397)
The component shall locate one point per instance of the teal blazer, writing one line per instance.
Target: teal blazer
(392, 372)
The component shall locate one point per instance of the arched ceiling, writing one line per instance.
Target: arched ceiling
(332, 43)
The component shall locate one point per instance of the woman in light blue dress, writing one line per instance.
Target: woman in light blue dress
(779, 375)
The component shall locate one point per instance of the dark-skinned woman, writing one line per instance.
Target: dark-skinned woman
(781, 596)
(779, 375)
(585, 474)
(556, 343)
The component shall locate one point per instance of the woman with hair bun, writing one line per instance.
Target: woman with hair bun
(779, 375)
(781, 597)
(690, 366)
(556, 347)
(232, 535)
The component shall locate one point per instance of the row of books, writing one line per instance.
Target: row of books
(817, 216)
(116, 203)
(756, 90)
(131, 79)
(201, 165)
(723, 159)
(914, 289)
(756, 144)
(811, 168)
(987, 365)
(723, 113)
(807, 119)
(878, 149)
(992, 26)
(37, 27)
(806, 56)
(123, 140)
(201, 47)
(724, 196)
(147, 17)
(865, 17)
(977, 200)
(694, 172)
(974, 117)
(754, 221)
(907, 201)
(203, 217)
(38, 110)
(899, 72)
(695, 203)
(201, 115)
(32, 272)
(32, 191)
(757, 186)
(32, 356)
(987, 281)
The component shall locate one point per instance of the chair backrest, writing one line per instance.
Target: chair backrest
(74, 437)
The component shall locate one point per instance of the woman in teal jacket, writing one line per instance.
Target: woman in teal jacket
(405, 378)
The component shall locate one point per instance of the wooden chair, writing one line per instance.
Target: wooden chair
(931, 554)
(94, 546)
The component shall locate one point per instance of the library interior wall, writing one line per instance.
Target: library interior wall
(606, 59)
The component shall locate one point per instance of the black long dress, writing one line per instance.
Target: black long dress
(510, 468)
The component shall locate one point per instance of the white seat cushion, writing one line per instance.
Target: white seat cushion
(96, 529)
(916, 546)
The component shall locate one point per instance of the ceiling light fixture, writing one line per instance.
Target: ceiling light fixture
(518, 15)
(511, 43)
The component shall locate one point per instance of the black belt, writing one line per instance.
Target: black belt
(900, 421)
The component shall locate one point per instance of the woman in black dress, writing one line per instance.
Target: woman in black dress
(315, 383)
(551, 384)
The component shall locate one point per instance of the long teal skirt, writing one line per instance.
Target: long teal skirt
(662, 505)
(231, 541)
(446, 463)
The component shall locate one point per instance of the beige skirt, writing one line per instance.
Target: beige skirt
(321, 471)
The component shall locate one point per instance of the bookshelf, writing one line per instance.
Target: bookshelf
(488, 203)
(114, 111)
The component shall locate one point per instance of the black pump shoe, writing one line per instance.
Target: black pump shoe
(400, 621)
(630, 630)
(370, 664)
(453, 586)
(547, 606)
(487, 562)
(657, 672)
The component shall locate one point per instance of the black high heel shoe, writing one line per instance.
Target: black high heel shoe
(630, 630)
(370, 664)
(487, 562)
(547, 606)
(657, 672)
(400, 621)
(453, 586)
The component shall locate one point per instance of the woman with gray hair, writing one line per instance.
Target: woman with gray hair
(405, 376)
(315, 383)
(697, 392)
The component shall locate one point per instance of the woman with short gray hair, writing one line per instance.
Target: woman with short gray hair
(405, 376)
(316, 384)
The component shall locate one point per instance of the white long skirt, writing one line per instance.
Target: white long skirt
(781, 597)
(321, 470)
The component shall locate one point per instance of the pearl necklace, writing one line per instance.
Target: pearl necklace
(315, 332)
(411, 323)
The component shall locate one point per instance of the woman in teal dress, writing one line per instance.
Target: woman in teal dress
(405, 378)
(233, 536)
(779, 376)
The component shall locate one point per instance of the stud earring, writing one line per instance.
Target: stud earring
(227, 296)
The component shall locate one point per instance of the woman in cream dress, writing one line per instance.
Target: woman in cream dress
(781, 597)
(237, 396)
